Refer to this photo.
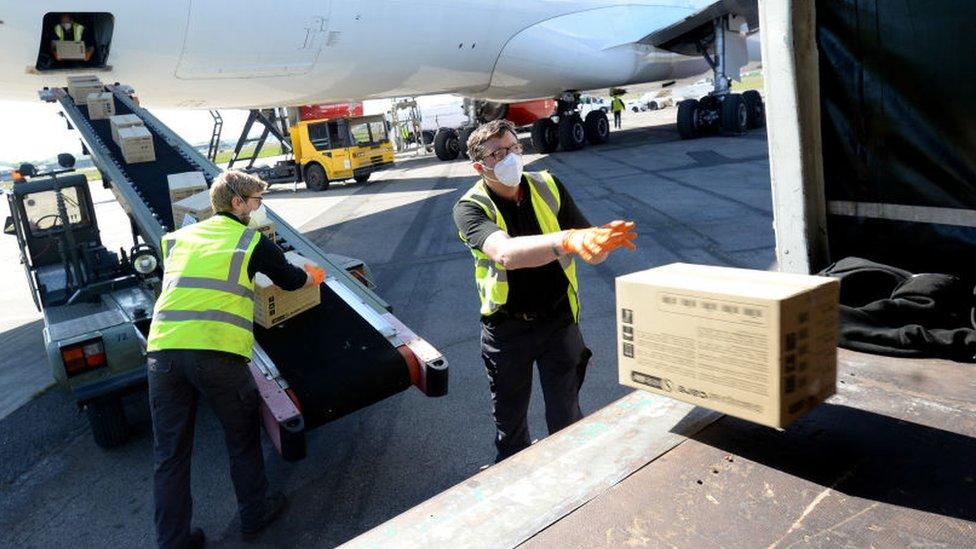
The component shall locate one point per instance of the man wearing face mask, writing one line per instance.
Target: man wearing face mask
(200, 342)
(68, 29)
(524, 230)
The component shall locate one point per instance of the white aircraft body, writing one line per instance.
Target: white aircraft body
(250, 54)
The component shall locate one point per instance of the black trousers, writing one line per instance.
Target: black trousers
(509, 347)
(176, 380)
(616, 119)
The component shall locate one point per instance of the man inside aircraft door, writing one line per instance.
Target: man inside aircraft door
(72, 42)
(524, 229)
(199, 343)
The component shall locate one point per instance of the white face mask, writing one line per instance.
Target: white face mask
(509, 170)
(67, 26)
(258, 217)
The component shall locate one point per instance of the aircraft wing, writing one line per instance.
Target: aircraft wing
(683, 36)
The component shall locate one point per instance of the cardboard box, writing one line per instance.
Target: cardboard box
(137, 144)
(101, 105)
(120, 121)
(183, 185)
(69, 50)
(192, 209)
(757, 345)
(80, 87)
(272, 305)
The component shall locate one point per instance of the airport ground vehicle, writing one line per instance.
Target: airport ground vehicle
(344, 354)
(321, 151)
(885, 463)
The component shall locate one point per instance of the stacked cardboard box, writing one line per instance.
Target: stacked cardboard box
(137, 144)
(69, 50)
(757, 345)
(101, 105)
(272, 305)
(183, 185)
(192, 209)
(120, 121)
(79, 87)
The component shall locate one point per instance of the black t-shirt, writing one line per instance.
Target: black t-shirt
(269, 260)
(536, 290)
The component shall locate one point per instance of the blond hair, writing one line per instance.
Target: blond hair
(491, 130)
(233, 183)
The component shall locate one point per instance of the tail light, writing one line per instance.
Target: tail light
(83, 357)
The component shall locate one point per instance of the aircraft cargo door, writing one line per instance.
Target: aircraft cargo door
(252, 38)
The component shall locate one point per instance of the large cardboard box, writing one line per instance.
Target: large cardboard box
(101, 105)
(272, 305)
(120, 121)
(137, 144)
(80, 87)
(192, 209)
(182, 185)
(757, 345)
(69, 50)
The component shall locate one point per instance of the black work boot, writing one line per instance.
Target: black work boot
(273, 506)
(196, 539)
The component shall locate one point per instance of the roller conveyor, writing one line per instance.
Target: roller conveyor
(343, 355)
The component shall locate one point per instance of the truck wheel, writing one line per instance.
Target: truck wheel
(446, 144)
(361, 178)
(315, 178)
(754, 108)
(689, 126)
(107, 419)
(572, 133)
(545, 138)
(653, 106)
(597, 127)
(735, 119)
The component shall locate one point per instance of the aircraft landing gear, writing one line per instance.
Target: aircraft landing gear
(721, 111)
(567, 129)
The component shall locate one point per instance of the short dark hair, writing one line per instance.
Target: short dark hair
(491, 130)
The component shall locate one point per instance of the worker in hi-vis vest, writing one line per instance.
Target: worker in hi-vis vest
(617, 108)
(200, 343)
(524, 230)
(68, 29)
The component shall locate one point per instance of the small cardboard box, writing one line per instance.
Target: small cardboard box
(137, 145)
(183, 185)
(101, 105)
(757, 345)
(79, 87)
(272, 305)
(69, 50)
(120, 121)
(192, 209)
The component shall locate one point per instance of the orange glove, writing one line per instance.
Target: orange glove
(595, 241)
(317, 273)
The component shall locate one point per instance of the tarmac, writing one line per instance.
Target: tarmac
(701, 201)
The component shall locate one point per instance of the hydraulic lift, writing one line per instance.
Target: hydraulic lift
(347, 353)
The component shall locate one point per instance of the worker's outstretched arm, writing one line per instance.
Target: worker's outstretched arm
(591, 245)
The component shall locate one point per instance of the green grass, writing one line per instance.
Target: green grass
(270, 149)
(750, 81)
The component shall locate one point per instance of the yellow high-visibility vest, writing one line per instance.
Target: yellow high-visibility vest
(207, 301)
(75, 28)
(491, 276)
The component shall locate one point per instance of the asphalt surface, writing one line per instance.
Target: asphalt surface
(702, 201)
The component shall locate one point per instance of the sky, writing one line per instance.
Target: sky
(34, 131)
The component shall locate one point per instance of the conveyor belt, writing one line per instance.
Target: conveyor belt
(342, 355)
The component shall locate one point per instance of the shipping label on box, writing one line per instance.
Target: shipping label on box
(268, 230)
(69, 50)
(101, 105)
(182, 185)
(192, 209)
(120, 121)
(757, 345)
(272, 305)
(137, 144)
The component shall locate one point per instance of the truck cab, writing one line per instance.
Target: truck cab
(342, 148)
(97, 304)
